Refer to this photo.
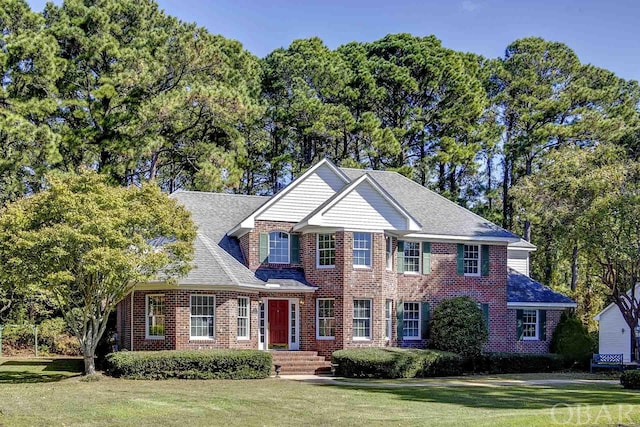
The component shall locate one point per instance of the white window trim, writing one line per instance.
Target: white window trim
(479, 273)
(318, 266)
(369, 336)
(536, 337)
(248, 317)
(318, 337)
(215, 312)
(146, 317)
(388, 321)
(388, 249)
(419, 272)
(353, 249)
(419, 336)
(288, 248)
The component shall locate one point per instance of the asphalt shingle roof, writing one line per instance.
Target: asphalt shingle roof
(523, 289)
(218, 259)
(437, 214)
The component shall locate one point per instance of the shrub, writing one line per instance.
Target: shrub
(18, 337)
(630, 379)
(53, 335)
(194, 364)
(458, 326)
(572, 340)
(395, 363)
(515, 363)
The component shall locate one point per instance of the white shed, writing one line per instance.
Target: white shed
(614, 335)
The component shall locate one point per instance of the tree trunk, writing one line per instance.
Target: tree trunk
(574, 268)
(89, 361)
(506, 217)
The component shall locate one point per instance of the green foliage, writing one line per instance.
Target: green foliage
(457, 325)
(195, 364)
(630, 379)
(515, 363)
(572, 340)
(89, 244)
(395, 363)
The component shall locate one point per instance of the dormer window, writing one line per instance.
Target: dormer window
(278, 247)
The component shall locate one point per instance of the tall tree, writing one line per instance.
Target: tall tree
(28, 69)
(90, 244)
(146, 96)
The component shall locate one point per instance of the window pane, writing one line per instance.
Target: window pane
(411, 320)
(471, 259)
(530, 323)
(243, 317)
(412, 257)
(326, 319)
(326, 249)
(202, 316)
(279, 247)
(155, 315)
(362, 249)
(362, 318)
(389, 252)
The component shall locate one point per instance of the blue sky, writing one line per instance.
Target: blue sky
(604, 33)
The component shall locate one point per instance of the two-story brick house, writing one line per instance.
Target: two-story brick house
(340, 258)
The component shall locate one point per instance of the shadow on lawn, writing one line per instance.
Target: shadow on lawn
(39, 371)
(505, 397)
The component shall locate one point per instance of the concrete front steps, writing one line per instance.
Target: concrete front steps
(300, 363)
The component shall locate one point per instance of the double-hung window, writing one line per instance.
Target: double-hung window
(388, 312)
(529, 324)
(362, 249)
(202, 318)
(278, 247)
(326, 249)
(411, 321)
(361, 319)
(388, 243)
(412, 257)
(155, 316)
(326, 321)
(471, 260)
(243, 318)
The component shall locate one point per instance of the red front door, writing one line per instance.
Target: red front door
(278, 323)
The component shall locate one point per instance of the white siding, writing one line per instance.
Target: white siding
(364, 208)
(305, 196)
(518, 260)
(611, 336)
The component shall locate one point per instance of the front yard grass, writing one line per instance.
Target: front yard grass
(59, 398)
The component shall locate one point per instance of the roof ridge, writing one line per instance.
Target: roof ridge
(221, 194)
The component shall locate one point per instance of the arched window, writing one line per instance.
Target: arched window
(278, 247)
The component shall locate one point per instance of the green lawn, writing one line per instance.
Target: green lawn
(51, 395)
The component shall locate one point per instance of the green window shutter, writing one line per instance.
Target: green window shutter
(519, 324)
(295, 248)
(485, 314)
(425, 320)
(426, 257)
(460, 259)
(399, 320)
(400, 257)
(484, 249)
(542, 323)
(264, 248)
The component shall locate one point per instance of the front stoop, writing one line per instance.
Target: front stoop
(300, 363)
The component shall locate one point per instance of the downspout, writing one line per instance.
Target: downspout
(131, 314)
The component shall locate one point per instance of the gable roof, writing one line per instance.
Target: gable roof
(610, 306)
(523, 291)
(315, 217)
(438, 215)
(248, 222)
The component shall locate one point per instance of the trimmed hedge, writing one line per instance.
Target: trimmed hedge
(630, 379)
(457, 325)
(194, 364)
(395, 363)
(517, 363)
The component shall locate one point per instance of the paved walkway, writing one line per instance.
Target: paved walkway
(453, 382)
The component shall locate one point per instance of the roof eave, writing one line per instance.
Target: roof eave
(529, 304)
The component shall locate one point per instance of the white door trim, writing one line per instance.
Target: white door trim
(292, 344)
